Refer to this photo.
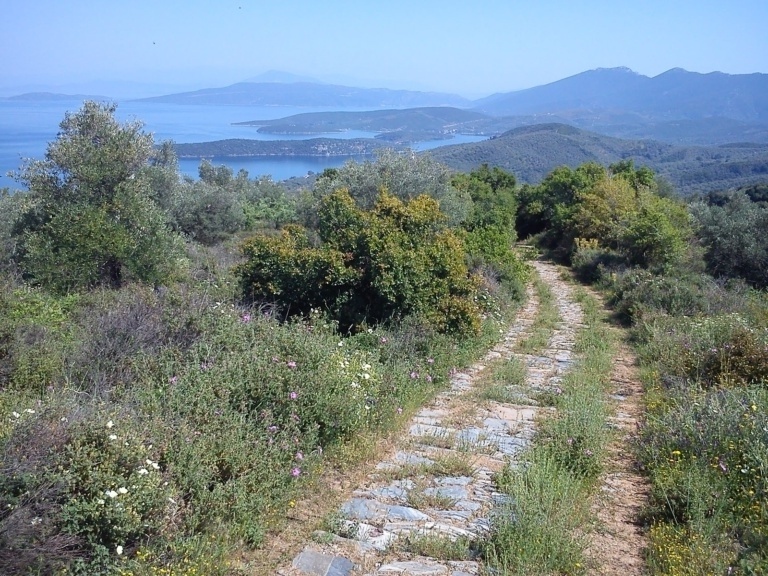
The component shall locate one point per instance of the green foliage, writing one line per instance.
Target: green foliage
(616, 210)
(549, 205)
(537, 531)
(394, 260)
(266, 201)
(209, 212)
(286, 271)
(404, 175)
(91, 219)
(659, 234)
(489, 230)
(733, 249)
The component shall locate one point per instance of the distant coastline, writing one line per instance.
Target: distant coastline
(314, 147)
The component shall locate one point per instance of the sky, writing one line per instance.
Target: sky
(472, 48)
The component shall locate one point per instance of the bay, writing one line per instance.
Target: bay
(26, 127)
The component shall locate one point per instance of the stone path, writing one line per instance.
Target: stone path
(439, 483)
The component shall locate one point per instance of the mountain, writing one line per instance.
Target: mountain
(674, 95)
(53, 96)
(310, 94)
(281, 77)
(531, 152)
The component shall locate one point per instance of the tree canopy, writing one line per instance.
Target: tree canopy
(91, 218)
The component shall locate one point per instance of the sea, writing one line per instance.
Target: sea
(26, 128)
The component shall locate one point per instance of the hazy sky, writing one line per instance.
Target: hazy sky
(473, 48)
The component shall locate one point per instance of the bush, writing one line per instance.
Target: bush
(395, 260)
(591, 264)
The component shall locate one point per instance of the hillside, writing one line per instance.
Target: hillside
(531, 152)
(404, 126)
(675, 94)
(236, 147)
(309, 94)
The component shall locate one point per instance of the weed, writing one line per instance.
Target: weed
(546, 320)
(423, 498)
(439, 547)
(452, 464)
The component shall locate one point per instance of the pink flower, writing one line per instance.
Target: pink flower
(295, 472)
(383, 340)
(245, 318)
(299, 456)
(429, 378)
(173, 379)
(291, 364)
(414, 375)
(430, 360)
(399, 410)
(293, 395)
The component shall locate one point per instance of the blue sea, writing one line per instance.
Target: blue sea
(27, 127)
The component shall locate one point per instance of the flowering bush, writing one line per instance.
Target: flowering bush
(394, 260)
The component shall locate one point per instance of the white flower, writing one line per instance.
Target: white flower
(113, 436)
(119, 550)
(29, 411)
(110, 424)
(367, 376)
(122, 490)
(143, 471)
(366, 366)
(341, 344)
(355, 385)
(111, 493)
(15, 414)
(154, 465)
(101, 500)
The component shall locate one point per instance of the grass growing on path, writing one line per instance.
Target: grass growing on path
(542, 528)
(547, 318)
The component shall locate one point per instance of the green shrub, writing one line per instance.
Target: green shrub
(591, 264)
(395, 260)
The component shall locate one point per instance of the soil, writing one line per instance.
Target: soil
(619, 543)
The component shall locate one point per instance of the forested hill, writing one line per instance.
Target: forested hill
(531, 152)
(436, 119)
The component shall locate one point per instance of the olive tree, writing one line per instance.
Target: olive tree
(405, 175)
(92, 219)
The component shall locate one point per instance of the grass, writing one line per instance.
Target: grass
(546, 319)
(542, 530)
(500, 386)
(420, 498)
(439, 547)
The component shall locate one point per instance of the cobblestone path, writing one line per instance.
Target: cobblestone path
(421, 492)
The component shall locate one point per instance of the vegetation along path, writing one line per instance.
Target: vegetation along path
(423, 509)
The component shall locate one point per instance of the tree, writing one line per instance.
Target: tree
(657, 235)
(734, 239)
(405, 175)
(92, 218)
